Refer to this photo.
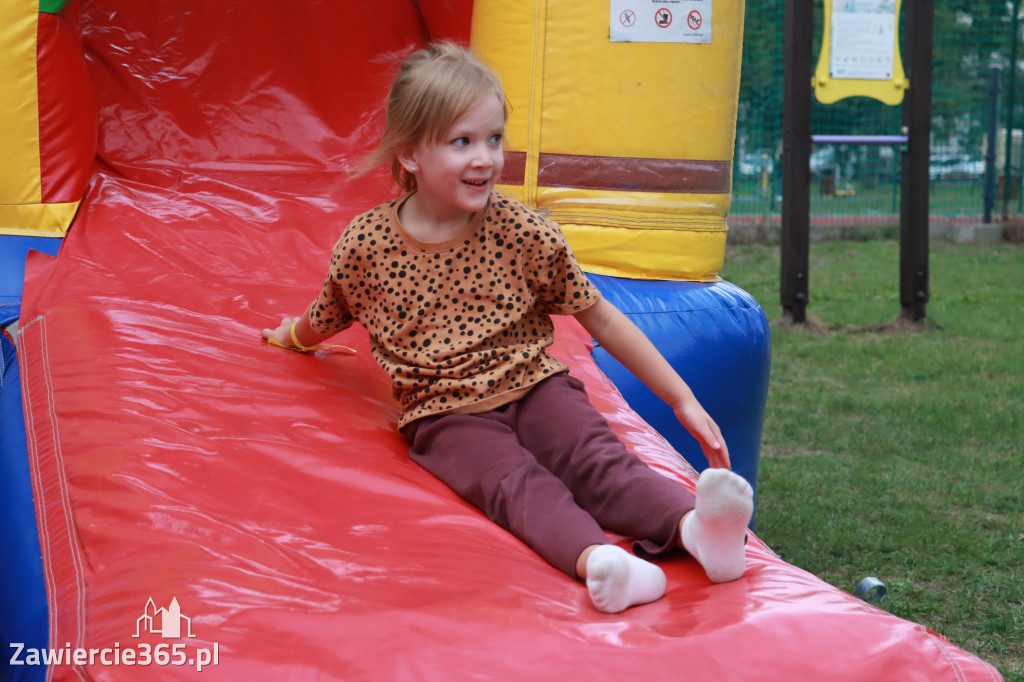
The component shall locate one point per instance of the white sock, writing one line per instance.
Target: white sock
(617, 580)
(715, 532)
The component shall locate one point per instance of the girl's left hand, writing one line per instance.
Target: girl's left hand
(702, 427)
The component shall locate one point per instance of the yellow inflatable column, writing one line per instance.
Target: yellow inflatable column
(47, 119)
(623, 123)
(20, 184)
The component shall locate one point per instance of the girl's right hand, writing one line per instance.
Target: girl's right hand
(702, 427)
(283, 333)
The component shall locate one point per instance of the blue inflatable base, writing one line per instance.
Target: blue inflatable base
(25, 619)
(716, 336)
(13, 251)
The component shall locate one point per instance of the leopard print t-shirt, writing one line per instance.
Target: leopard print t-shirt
(459, 326)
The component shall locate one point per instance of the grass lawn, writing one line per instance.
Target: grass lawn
(897, 451)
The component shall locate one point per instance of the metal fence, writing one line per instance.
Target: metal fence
(975, 164)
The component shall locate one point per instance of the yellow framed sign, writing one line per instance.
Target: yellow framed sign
(860, 52)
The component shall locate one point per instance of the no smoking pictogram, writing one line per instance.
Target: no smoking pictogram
(627, 18)
(663, 18)
(694, 20)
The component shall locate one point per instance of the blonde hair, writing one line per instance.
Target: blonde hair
(434, 87)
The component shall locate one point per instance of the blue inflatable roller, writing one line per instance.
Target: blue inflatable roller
(716, 336)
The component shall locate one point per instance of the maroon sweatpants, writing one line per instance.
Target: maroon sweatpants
(549, 469)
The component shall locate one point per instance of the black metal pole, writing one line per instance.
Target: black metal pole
(914, 162)
(796, 155)
(1008, 166)
(990, 152)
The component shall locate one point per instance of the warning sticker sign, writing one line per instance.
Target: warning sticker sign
(660, 21)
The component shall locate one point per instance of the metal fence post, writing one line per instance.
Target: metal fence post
(990, 152)
(1008, 166)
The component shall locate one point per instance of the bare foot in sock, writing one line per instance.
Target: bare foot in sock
(715, 531)
(617, 580)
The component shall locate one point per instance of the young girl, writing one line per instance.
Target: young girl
(456, 284)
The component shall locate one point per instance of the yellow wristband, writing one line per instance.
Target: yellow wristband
(304, 349)
(296, 343)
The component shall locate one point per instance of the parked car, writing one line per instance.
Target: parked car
(955, 168)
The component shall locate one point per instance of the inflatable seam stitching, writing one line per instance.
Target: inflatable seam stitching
(940, 645)
(38, 488)
(535, 102)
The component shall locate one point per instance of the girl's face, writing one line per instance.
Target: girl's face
(456, 174)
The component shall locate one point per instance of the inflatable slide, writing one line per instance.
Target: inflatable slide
(183, 501)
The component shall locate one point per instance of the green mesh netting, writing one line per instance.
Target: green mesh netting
(858, 184)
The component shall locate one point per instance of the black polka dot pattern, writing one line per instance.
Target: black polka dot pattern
(458, 323)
